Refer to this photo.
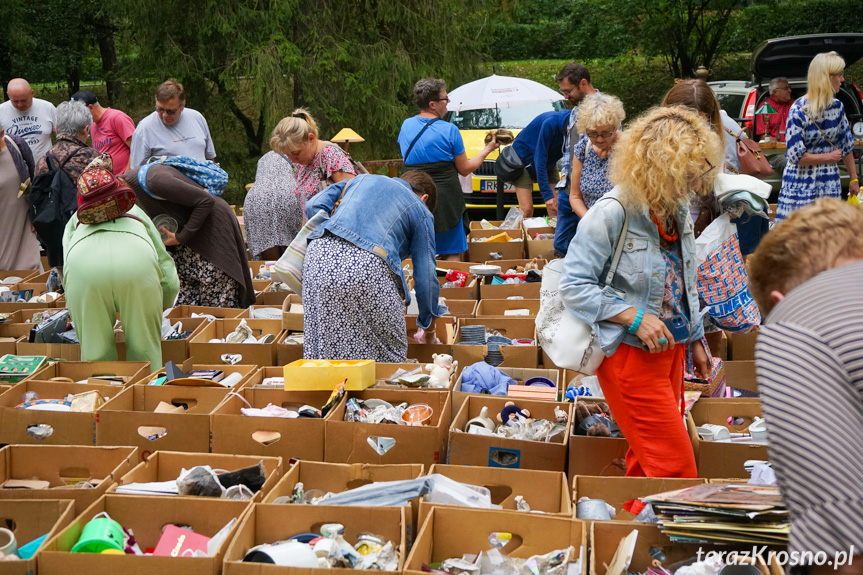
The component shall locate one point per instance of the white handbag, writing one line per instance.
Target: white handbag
(570, 342)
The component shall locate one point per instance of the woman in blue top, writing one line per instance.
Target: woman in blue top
(817, 136)
(599, 119)
(354, 290)
(431, 145)
(540, 143)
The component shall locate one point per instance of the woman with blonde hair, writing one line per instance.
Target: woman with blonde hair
(817, 136)
(599, 119)
(649, 313)
(317, 163)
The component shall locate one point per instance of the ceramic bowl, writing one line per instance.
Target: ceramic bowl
(417, 414)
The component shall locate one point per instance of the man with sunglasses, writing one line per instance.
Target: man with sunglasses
(172, 130)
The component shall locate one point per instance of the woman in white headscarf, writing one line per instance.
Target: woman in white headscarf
(272, 211)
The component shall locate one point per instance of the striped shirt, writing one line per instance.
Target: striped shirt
(809, 359)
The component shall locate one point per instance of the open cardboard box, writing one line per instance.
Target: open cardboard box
(500, 307)
(245, 371)
(176, 350)
(526, 290)
(339, 477)
(301, 438)
(445, 330)
(63, 467)
(513, 328)
(453, 531)
(288, 352)
(145, 516)
(130, 372)
(384, 371)
(167, 466)
(604, 456)
(741, 346)
(519, 374)
(721, 459)
(292, 320)
(350, 442)
(540, 248)
(470, 291)
(481, 251)
(496, 451)
(741, 375)
(130, 418)
(270, 523)
(509, 264)
(29, 520)
(186, 311)
(545, 491)
(477, 225)
(460, 307)
(67, 428)
(202, 351)
(618, 490)
(23, 274)
(60, 351)
(9, 343)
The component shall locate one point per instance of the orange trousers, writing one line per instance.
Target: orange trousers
(643, 391)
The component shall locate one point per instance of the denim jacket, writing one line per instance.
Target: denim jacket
(640, 278)
(385, 217)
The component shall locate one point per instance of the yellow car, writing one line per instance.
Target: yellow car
(473, 126)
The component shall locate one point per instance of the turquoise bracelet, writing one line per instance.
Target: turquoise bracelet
(636, 322)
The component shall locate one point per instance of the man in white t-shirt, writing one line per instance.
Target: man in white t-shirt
(172, 130)
(30, 118)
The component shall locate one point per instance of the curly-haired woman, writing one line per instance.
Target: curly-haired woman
(650, 312)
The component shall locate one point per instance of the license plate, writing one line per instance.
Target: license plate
(491, 186)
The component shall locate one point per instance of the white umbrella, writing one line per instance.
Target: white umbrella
(501, 92)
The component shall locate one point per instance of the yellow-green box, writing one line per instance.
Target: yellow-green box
(324, 374)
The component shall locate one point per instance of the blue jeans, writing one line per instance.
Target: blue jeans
(567, 222)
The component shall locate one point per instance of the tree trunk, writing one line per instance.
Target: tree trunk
(105, 38)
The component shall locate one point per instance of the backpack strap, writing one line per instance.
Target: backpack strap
(416, 139)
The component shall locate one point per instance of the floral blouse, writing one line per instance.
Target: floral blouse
(329, 160)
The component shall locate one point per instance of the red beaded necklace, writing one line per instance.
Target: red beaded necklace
(672, 237)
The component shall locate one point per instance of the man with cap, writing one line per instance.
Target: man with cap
(111, 131)
(172, 130)
(29, 118)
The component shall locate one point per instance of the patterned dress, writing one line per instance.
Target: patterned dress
(353, 308)
(329, 160)
(802, 185)
(202, 283)
(594, 172)
(272, 212)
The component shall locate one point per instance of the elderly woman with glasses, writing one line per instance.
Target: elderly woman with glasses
(72, 154)
(435, 147)
(649, 313)
(599, 119)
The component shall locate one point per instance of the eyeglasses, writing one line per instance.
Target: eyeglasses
(786, 88)
(442, 99)
(167, 112)
(567, 92)
(595, 135)
(707, 171)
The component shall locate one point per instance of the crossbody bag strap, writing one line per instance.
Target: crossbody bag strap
(571, 150)
(344, 190)
(823, 135)
(416, 139)
(619, 249)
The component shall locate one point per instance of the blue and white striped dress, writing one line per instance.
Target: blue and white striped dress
(802, 185)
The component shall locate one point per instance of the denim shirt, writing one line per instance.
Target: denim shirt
(385, 217)
(640, 278)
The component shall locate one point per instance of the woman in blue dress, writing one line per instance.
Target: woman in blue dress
(818, 137)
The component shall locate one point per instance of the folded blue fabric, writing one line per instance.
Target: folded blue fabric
(484, 378)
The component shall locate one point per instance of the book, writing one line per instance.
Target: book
(15, 368)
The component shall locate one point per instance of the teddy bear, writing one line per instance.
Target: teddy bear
(511, 414)
(441, 371)
(594, 419)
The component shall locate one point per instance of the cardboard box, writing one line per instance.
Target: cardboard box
(260, 354)
(325, 375)
(29, 520)
(288, 352)
(460, 307)
(499, 307)
(131, 372)
(186, 311)
(130, 419)
(719, 460)
(272, 297)
(67, 428)
(540, 248)
(271, 523)
(508, 264)
(145, 516)
(604, 456)
(176, 350)
(301, 438)
(167, 466)
(513, 356)
(384, 371)
(58, 351)
(246, 371)
(292, 320)
(496, 451)
(527, 290)
(23, 274)
(741, 375)
(545, 491)
(741, 346)
(481, 251)
(605, 537)
(349, 442)
(445, 329)
(9, 344)
(474, 225)
(453, 531)
(469, 291)
(63, 467)
(519, 374)
(618, 490)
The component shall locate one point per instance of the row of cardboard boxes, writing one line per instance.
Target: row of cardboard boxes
(204, 419)
(424, 532)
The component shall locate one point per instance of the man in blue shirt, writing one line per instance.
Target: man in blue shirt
(540, 143)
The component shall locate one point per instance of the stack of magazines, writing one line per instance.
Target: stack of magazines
(723, 514)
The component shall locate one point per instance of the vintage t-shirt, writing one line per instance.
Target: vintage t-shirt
(109, 136)
(35, 125)
(190, 136)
